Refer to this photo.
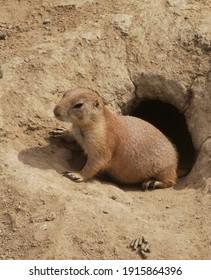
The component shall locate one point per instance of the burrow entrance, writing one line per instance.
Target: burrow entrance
(172, 123)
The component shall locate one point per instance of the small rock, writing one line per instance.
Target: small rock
(32, 126)
(3, 36)
(46, 21)
(50, 217)
(122, 21)
(105, 212)
(37, 116)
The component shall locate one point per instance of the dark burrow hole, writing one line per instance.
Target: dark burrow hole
(172, 123)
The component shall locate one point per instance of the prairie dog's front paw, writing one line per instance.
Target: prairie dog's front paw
(73, 176)
(58, 133)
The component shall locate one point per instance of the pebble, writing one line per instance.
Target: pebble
(51, 217)
(3, 36)
(46, 21)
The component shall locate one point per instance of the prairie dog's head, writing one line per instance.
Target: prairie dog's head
(80, 106)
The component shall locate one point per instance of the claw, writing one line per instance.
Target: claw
(58, 132)
(149, 185)
(73, 176)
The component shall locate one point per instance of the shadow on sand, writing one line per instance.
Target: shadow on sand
(63, 157)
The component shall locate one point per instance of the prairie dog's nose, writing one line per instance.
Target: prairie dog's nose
(57, 111)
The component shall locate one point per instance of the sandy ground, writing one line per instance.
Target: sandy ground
(44, 215)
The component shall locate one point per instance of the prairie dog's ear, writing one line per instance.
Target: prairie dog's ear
(96, 103)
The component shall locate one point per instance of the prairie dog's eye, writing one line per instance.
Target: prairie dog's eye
(78, 105)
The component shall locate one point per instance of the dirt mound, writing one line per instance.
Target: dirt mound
(154, 51)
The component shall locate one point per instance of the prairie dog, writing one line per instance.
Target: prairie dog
(127, 148)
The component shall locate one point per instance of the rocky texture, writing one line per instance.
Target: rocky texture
(126, 52)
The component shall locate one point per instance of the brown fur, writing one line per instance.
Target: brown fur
(127, 148)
